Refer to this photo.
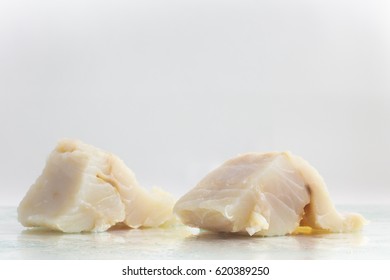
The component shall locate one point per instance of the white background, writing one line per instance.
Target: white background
(177, 87)
(109, 269)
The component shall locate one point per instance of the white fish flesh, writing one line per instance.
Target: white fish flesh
(264, 194)
(83, 188)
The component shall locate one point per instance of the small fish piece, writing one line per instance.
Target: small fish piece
(83, 188)
(265, 194)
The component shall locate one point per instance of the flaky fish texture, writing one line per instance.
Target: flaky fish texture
(265, 194)
(83, 188)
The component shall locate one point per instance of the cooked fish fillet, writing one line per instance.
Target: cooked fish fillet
(83, 188)
(263, 194)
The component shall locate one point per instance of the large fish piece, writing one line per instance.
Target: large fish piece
(265, 194)
(83, 188)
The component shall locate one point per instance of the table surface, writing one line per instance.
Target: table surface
(17, 242)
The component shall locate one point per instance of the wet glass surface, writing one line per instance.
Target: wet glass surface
(180, 242)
